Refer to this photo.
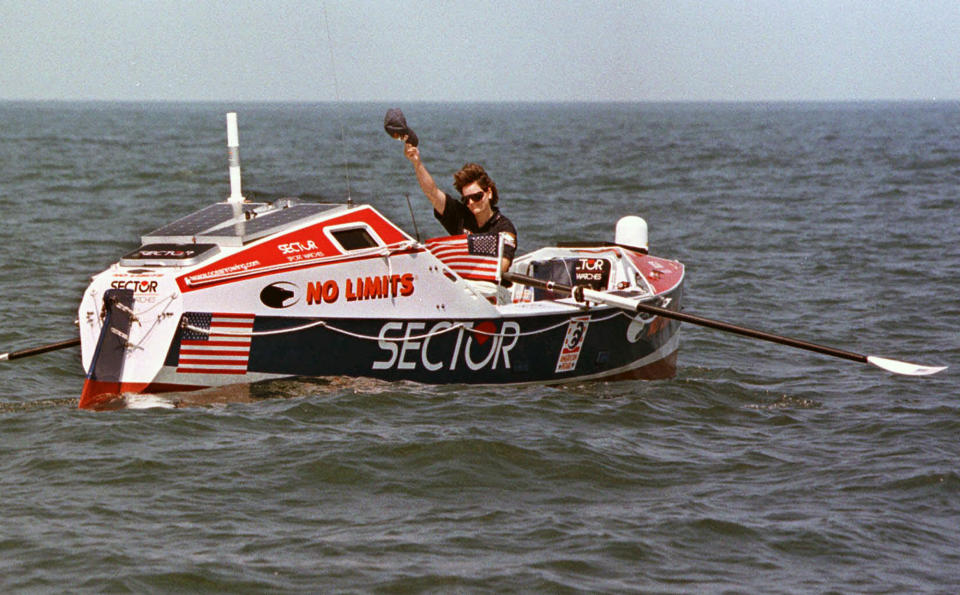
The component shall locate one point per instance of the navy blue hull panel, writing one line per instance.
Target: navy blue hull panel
(498, 351)
(543, 348)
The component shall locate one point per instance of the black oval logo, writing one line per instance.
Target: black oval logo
(281, 294)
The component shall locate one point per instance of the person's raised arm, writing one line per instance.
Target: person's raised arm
(429, 187)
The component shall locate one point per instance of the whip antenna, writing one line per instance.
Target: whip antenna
(412, 216)
(336, 90)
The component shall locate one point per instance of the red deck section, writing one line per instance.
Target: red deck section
(663, 274)
(301, 248)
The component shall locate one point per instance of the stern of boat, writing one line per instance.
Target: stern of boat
(128, 318)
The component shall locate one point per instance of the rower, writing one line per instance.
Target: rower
(475, 212)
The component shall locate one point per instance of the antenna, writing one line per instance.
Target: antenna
(336, 88)
(233, 153)
(412, 216)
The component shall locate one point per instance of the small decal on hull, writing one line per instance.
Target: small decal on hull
(637, 326)
(572, 343)
(281, 294)
(220, 346)
(137, 285)
(641, 326)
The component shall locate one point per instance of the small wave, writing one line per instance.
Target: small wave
(723, 527)
(945, 163)
(948, 481)
(810, 542)
(15, 407)
(889, 193)
(786, 402)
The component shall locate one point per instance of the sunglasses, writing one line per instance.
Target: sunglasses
(469, 198)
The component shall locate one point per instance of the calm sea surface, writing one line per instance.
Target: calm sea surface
(759, 468)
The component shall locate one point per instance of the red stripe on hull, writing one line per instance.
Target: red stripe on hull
(185, 344)
(103, 396)
(217, 355)
(209, 370)
(661, 369)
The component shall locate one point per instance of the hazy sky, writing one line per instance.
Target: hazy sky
(472, 50)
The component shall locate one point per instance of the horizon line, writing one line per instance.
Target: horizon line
(477, 101)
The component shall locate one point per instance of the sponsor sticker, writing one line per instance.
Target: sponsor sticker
(223, 272)
(444, 346)
(137, 285)
(572, 343)
(592, 272)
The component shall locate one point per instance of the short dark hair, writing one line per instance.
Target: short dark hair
(471, 173)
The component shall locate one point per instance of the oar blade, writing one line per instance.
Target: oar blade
(905, 368)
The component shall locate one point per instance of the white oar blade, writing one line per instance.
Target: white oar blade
(905, 368)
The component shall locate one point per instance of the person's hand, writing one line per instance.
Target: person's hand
(412, 153)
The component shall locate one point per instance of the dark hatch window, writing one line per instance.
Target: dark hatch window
(354, 239)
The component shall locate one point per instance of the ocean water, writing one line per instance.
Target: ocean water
(759, 468)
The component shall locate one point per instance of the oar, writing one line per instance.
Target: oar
(636, 305)
(39, 350)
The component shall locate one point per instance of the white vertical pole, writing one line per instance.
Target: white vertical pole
(233, 151)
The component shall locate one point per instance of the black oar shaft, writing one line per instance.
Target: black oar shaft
(638, 306)
(41, 349)
(748, 332)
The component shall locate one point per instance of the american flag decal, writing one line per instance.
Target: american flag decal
(225, 349)
(472, 256)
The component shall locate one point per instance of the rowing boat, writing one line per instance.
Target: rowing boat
(241, 292)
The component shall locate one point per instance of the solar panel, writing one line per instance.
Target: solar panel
(185, 229)
(268, 223)
(223, 224)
